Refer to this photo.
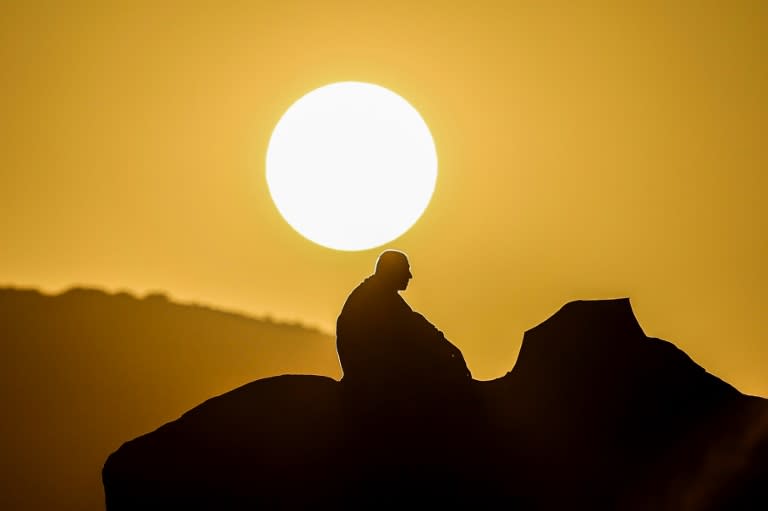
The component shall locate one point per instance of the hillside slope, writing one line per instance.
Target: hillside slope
(83, 370)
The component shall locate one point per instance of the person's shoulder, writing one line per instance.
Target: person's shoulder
(359, 291)
(364, 286)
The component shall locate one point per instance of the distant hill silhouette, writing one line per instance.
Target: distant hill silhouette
(594, 415)
(83, 370)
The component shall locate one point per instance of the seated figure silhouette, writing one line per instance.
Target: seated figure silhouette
(381, 340)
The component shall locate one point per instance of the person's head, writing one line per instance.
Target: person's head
(392, 267)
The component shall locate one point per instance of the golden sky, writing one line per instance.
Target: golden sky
(585, 151)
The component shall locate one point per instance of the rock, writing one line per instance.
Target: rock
(594, 415)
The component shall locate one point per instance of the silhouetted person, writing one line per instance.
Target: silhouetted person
(407, 391)
(381, 340)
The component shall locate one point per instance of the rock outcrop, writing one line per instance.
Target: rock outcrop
(84, 370)
(594, 415)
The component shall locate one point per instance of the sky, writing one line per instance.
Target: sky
(585, 151)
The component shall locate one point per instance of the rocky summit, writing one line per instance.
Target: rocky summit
(594, 415)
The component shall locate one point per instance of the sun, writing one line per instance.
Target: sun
(351, 166)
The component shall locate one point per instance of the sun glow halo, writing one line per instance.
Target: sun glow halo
(351, 166)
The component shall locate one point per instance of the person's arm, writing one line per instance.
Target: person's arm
(432, 334)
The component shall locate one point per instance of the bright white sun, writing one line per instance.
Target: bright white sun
(351, 166)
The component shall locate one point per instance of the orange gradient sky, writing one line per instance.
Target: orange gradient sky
(584, 152)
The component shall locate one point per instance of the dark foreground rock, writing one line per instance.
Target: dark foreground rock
(594, 415)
